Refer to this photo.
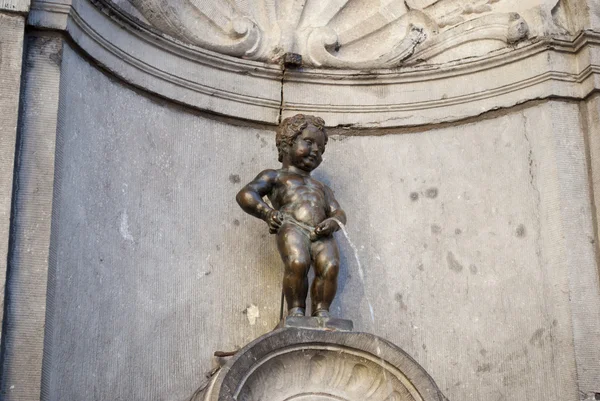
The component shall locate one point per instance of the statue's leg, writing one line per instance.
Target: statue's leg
(294, 247)
(327, 266)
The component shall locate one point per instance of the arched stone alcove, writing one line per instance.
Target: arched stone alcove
(464, 148)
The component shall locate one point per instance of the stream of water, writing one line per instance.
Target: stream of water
(361, 275)
(361, 272)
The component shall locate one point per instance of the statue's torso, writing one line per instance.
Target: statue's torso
(301, 197)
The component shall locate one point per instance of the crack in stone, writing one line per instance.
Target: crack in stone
(281, 95)
(532, 182)
(530, 159)
(14, 201)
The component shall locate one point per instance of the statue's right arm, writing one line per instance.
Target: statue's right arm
(250, 198)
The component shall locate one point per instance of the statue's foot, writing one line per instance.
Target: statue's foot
(297, 312)
(321, 313)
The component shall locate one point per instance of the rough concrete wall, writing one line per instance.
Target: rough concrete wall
(11, 53)
(30, 230)
(474, 239)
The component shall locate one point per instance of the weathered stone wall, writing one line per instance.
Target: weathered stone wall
(476, 240)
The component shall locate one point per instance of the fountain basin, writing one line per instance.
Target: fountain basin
(321, 365)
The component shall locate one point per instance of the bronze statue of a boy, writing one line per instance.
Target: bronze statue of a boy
(304, 215)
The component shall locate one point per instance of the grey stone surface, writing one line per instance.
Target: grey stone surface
(30, 230)
(11, 53)
(18, 6)
(475, 240)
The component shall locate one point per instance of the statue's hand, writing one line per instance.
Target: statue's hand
(326, 228)
(274, 220)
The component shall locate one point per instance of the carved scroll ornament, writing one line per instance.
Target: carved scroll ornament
(353, 34)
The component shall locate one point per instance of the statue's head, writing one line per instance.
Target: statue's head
(302, 139)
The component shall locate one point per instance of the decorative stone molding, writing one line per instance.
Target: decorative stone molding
(415, 94)
(344, 34)
(562, 67)
(180, 72)
(300, 364)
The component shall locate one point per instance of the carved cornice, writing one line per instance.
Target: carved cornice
(412, 95)
(549, 67)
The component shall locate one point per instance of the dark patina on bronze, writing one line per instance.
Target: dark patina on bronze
(304, 215)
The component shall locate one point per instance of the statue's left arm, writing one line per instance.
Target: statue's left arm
(335, 210)
(329, 225)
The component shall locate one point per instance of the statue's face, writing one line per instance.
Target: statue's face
(308, 148)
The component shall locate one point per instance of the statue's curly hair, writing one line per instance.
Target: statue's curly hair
(291, 127)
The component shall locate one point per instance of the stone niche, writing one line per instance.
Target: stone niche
(463, 146)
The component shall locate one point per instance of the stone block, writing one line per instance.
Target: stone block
(11, 54)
